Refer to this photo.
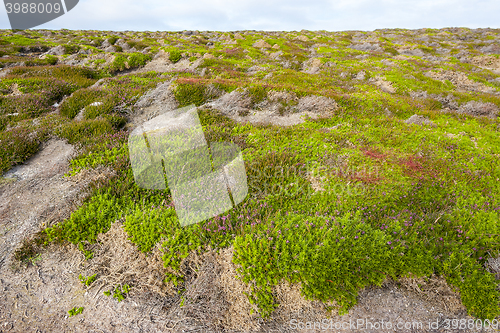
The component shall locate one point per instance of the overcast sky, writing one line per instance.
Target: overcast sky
(288, 15)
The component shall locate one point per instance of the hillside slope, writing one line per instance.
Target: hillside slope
(372, 162)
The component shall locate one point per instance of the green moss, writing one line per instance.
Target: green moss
(19, 40)
(112, 40)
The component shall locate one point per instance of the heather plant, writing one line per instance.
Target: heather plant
(80, 132)
(132, 60)
(80, 99)
(174, 56)
(18, 144)
(80, 76)
(48, 60)
(191, 93)
(105, 149)
(87, 222)
(146, 227)
(331, 258)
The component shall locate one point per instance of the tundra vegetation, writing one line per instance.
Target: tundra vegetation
(395, 198)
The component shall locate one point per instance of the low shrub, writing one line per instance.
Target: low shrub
(79, 100)
(83, 131)
(175, 55)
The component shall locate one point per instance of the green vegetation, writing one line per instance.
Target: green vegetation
(87, 281)
(132, 60)
(75, 311)
(119, 294)
(175, 56)
(396, 200)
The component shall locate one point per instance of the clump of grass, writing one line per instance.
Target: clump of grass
(87, 281)
(192, 93)
(30, 248)
(18, 144)
(81, 77)
(119, 294)
(175, 55)
(112, 40)
(139, 45)
(75, 311)
(48, 60)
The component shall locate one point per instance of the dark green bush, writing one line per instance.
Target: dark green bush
(17, 145)
(175, 55)
(84, 130)
(79, 100)
(49, 60)
(71, 48)
(112, 40)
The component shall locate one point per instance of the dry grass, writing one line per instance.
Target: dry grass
(118, 261)
(435, 290)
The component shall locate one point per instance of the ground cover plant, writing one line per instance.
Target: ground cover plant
(348, 199)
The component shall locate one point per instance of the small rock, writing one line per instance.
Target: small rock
(105, 44)
(412, 52)
(238, 36)
(302, 38)
(160, 54)
(57, 50)
(366, 47)
(419, 120)
(261, 44)
(479, 109)
(316, 62)
(361, 76)
(208, 56)
(491, 49)
(275, 55)
(276, 46)
(110, 49)
(268, 76)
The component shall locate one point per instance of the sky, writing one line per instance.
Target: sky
(269, 15)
